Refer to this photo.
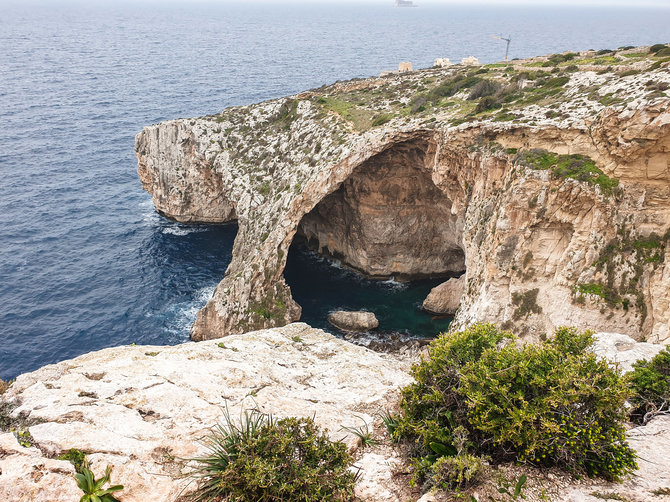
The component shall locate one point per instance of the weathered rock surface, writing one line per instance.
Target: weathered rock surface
(357, 322)
(446, 297)
(141, 409)
(623, 350)
(405, 184)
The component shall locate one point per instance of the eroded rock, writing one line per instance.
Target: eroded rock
(356, 322)
(446, 297)
(622, 350)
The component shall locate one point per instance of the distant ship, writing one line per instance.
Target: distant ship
(404, 3)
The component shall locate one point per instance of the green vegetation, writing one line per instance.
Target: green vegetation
(288, 113)
(261, 458)
(457, 472)
(390, 421)
(480, 394)
(578, 167)
(651, 382)
(363, 433)
(93, 488)
(660, 50)
(360, 118)
(76, 457)
(267, 309)
(625, 257)
(381, 119)
(4, 385)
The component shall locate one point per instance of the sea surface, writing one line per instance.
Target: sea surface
(85, 262)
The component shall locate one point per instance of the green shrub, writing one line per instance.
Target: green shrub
(484, 88)
(76, 457)
(656, 48)
(651, 382)
(272, 460)
(553, 404)
(578, 167)
(459, 472)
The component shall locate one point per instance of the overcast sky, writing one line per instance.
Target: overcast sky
(536, 3)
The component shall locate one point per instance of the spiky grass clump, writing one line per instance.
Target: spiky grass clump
(261, 458)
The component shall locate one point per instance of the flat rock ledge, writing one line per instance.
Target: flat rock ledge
(141, 408)
(354, 322)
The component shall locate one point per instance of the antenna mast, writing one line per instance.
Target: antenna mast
(508, 40)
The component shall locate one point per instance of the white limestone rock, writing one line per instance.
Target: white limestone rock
(138, 408)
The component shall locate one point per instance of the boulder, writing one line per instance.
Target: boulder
(356, 322)
(445, 298)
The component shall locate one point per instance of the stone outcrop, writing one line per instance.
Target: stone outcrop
(356, 322)
(392, 179)
(142, 409)
(446, 297)
(622, 350)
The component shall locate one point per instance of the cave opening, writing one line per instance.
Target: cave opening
(386, 235)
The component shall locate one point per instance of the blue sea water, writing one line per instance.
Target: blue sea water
(85, 262)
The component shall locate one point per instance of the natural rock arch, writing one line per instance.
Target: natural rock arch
(388, 218)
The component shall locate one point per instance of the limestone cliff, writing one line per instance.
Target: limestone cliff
(545, 180)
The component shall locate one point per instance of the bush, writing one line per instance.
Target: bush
(271, 460)
(484, 88)
(553, 404)
(651, 382)
(459, 472)
(578, 167)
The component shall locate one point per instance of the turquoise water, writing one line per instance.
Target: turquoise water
(321, 285)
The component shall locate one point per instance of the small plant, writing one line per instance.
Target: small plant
(458, 472)
(24, 437)
(296, 339)
(363, 433)
(390, 421)
(93, 489)
(4, 385)
(261, 458)
(76, 457)
(514, 493)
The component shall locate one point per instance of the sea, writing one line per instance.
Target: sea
(85, 261)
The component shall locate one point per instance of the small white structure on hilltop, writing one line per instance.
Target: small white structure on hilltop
(442, 63)
(470, 61)
(404, 66)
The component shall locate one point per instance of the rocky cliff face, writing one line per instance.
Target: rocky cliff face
(548, 185)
